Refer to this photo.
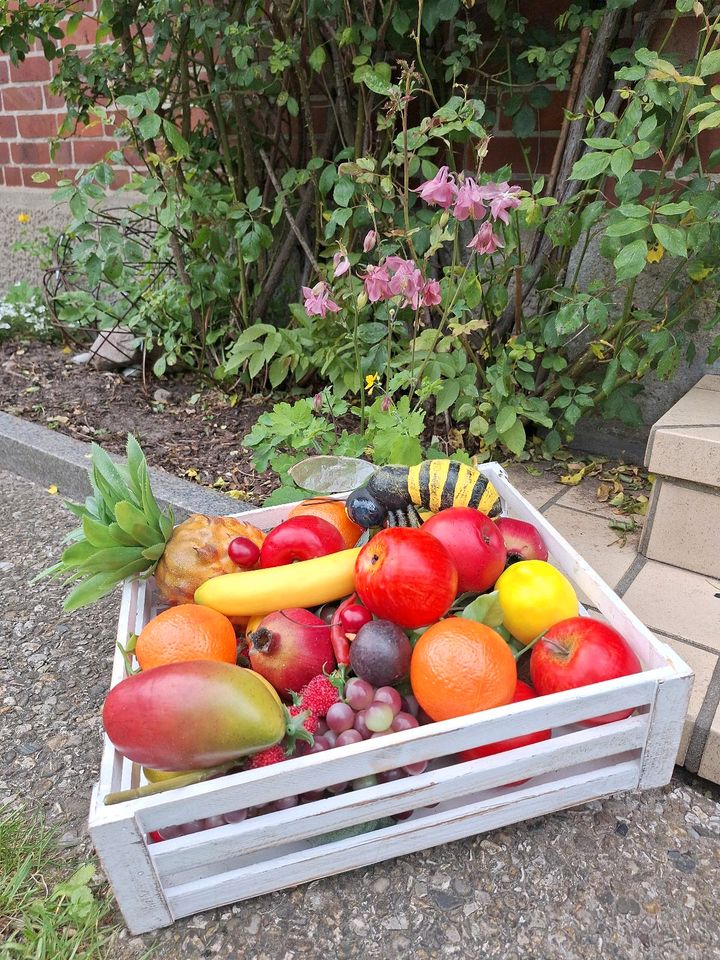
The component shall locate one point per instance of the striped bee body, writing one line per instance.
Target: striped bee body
(438, 484)
(393, 493)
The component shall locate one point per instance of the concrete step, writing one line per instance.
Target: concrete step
(682, 526)
(683, 519)
(685, 442)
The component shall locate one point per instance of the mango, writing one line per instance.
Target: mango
(192, 715)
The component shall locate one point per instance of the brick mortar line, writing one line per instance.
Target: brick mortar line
(703, 723)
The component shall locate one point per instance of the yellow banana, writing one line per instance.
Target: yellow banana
(304, 584)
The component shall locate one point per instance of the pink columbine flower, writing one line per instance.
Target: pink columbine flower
(407, 281)
(431, 296)
(502, 198)
(440, 191)
(341, 264)
(371, 238)
(377, 283)
(485, 240)
(469, 201)
(317, 300)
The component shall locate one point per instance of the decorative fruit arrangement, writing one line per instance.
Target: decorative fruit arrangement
(330, 643)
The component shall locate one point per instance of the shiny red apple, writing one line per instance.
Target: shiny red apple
(406, 576)
(580, 651)
(474, 543)
(522, 540)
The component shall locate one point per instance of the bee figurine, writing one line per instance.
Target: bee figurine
(393, 494)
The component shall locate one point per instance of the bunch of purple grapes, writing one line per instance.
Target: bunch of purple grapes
(365, 713)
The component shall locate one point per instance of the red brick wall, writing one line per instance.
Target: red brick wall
(31, 114)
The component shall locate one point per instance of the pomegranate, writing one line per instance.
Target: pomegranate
(290, 647)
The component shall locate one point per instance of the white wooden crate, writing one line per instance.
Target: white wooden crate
(156, 883)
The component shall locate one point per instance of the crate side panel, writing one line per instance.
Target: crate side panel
(213, 851)
(398, 840)
(123, 852)
(316, 771)
(111, 763)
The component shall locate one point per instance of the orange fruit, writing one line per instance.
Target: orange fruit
(186, 632)
(335, 513)
(459, 667)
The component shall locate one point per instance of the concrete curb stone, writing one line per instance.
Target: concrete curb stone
(47, 457)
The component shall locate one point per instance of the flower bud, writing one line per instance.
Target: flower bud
(371, 239)
(317, 402)
(362, 300)
(386, 402)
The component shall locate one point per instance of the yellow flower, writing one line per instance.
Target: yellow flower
(655, 253)
(371, 381)
(52, 489)
(23, 218)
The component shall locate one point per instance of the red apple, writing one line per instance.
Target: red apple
(580, 651)
(522, 540)
(300, 538)
(522, 692)
(474, 544)
(406, 576)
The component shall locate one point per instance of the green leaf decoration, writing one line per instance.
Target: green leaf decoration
(484, 609)
(328, 474)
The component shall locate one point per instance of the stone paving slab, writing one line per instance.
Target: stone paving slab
(632, 877)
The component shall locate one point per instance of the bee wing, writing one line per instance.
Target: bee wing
(325, 474)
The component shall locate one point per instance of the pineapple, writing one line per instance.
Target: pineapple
(124, 533)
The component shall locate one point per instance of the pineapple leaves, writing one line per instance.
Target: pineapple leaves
(154, 553)
(105, 470)
(99, 585)
(97, 534)
(122, 529)
(133, 522)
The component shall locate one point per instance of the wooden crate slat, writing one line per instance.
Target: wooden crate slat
(301, 774)
(208, 851)
(402, 838)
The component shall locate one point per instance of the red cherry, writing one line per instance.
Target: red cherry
(354, 617)
(243, 552)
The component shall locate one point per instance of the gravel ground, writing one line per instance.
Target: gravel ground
(628, 877)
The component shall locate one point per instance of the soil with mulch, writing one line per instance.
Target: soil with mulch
(194, 433)
(192, 429)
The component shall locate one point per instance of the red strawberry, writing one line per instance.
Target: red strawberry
(319, 695)
(267, 757)
(309, 720)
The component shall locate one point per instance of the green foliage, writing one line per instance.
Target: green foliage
(235, 160)
(44, 916)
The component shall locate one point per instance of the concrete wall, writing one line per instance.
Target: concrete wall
(44, 212)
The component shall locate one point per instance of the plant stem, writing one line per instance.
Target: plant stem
(358, 369)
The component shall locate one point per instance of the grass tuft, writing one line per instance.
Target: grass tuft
(44, 914)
